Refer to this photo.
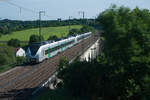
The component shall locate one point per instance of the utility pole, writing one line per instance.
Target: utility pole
(69, 23)
(83, 15)
(40, 12)
(94, 20)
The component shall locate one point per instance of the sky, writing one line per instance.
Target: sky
(62, 8)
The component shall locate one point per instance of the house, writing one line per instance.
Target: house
(19, 52)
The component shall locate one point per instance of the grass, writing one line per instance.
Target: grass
(46, 32)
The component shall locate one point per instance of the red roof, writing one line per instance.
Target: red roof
(16, 49)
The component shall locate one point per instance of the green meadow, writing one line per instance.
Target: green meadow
(46, 32)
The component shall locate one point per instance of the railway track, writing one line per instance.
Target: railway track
(20, 83)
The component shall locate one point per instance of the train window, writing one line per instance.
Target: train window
(57, 47)
(67, 43)
(54, 49)
(34, 48)
(46, 52)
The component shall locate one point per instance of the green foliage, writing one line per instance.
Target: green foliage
(87, 28)
(35, 38)
(126, 51)
(8, 26)
(62, 65)
(13, 43)
(20, 60)
(54, 37)
(82, 79)
(8, 59)
(122, 71)
(74, 31)
(58, 94)
(7, 55)
(4, 59)
(84, 29)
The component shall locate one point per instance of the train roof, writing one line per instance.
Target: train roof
(41, 43)
(38, 44)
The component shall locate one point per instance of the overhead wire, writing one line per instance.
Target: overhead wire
(20, 7)
(23, 8)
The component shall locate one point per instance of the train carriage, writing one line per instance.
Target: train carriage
(37, 52)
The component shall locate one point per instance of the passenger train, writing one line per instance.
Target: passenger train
(38, 52)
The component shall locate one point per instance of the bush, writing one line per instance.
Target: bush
(7, 56)
(126, 52)
(20, 60)
(0, 34)
(4, 59)
(54, 37)
(13, 43)
(87, 28)
(74, 31)
(35, 38)
(62, 64)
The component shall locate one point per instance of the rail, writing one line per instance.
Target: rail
(55, 73)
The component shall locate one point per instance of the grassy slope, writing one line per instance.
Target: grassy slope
(46, 32)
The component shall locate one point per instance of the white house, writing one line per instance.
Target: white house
(19, 52)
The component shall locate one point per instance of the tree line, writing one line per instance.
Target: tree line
(8, 26)
(122, 70)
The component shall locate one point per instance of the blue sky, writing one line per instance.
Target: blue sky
(63, 8)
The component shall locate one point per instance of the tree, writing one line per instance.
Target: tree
(54, 37)
(14, 42)
(8, 26)
(35, 38)
(62, 64)
(20, 60)
(74, 31)
(126, 50)
(122, 70)
(87, 28)
(7, 55)
(82, 78)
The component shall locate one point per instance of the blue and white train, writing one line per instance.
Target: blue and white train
(38, 52)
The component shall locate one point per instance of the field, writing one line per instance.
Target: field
(46, 32)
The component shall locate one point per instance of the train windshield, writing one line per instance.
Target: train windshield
(34, 48)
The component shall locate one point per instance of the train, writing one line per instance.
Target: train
(38, 52)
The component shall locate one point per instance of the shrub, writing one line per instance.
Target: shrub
(20, 60)
(55, 38)
(35, 38)
(13, 43)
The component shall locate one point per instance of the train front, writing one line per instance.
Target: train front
(32, 53)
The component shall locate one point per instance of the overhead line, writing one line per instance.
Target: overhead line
(26, 9)
(18, 6)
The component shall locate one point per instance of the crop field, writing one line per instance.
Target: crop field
(46, 32)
